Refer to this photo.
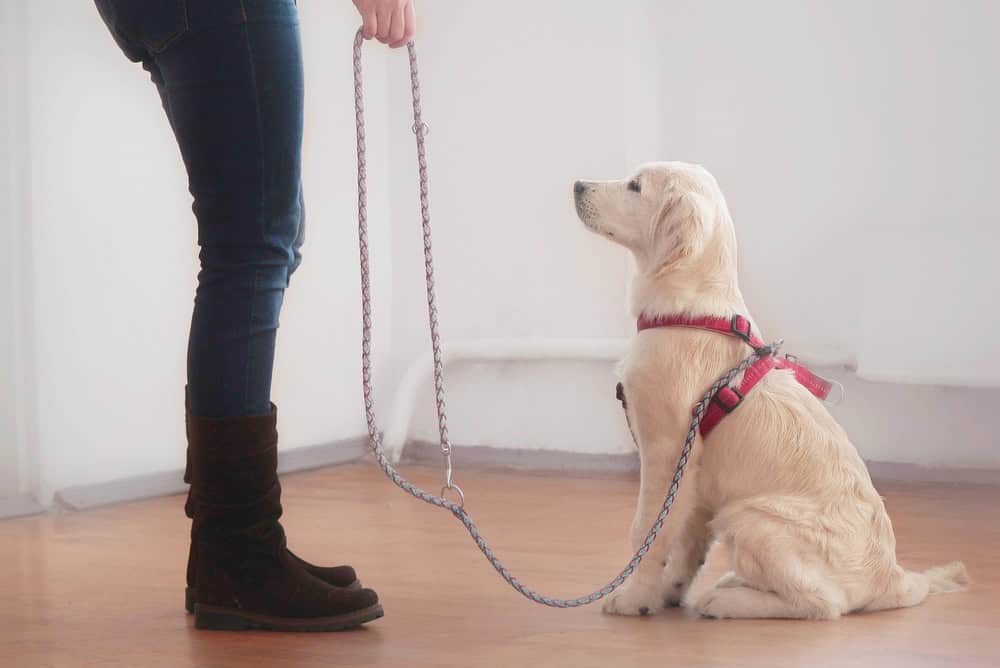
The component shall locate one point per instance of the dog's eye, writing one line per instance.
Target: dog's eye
(635, 186)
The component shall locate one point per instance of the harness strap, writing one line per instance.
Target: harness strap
(728, 398)
(737, 325)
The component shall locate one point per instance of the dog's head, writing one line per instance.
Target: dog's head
(666, 214)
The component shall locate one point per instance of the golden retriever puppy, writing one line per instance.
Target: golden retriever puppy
(777, 481)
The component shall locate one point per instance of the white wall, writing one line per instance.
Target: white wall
(515, 117)
(831, 126)
(11, 119)
(20, 461)
(513, 122)
(115, 256)
(318, 372)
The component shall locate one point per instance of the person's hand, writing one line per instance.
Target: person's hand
(389, 21)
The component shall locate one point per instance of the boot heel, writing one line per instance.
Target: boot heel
(217, 620)
(189, 599)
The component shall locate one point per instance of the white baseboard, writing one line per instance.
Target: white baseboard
(318, 456)
(573, 462)
(19, 506)
(916, 473)
(84, 497)
(423, 452)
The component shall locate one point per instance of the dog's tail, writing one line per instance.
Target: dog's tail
(947, 578)
(912, 588)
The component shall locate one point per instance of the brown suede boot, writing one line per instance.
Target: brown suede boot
(243, 575)
(338, 576)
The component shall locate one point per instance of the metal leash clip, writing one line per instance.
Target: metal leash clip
(448, 482)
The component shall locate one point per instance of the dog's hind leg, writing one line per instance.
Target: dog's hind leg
(731, 579)
(804, 598)
(776, 574)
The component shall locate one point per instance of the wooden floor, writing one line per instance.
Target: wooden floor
(104, 588)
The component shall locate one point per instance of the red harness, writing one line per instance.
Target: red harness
(727, 399)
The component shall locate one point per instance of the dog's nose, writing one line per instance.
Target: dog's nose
(579, 187)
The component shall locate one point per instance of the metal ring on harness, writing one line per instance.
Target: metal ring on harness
(842, 397)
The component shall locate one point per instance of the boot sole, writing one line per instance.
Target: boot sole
(215, 618)
(189, 595)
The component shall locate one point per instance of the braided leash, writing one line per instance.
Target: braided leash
(458, 509)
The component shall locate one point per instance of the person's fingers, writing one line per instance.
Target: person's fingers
(369, 25)
(410, 26)
(384, 12)
(397, 26)
(411, 22)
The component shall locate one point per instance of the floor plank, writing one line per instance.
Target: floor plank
(104, 587)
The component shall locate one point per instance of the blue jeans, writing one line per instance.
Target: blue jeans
(229, 74)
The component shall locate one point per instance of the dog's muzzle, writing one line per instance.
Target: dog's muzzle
(584, 209)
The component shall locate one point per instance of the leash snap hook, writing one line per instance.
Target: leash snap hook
(458, 490)
(449, 483)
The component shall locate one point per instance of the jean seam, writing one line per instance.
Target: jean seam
(251, 354)
(256, 100)
(261, 208)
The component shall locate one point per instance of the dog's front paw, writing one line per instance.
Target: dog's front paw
(676, 591)
(633, 600)
(676, 581)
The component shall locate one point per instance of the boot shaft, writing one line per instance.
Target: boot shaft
(232, 466)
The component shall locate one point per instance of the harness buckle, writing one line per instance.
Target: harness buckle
(771, 349)
(740, 327)
(728, 398)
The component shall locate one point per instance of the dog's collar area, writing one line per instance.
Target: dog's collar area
(729, 398)
(736, 325)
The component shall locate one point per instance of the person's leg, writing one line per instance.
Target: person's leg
(233, 92)
(229, 74)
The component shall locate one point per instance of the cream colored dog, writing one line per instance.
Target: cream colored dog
(777, 481)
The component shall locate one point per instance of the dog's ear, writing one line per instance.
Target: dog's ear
(679, 227)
